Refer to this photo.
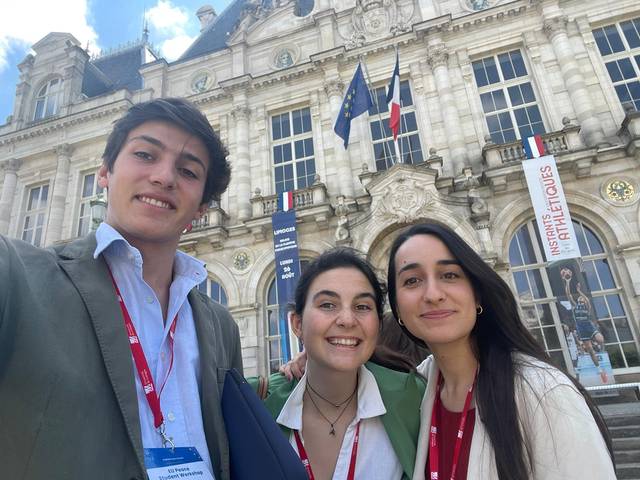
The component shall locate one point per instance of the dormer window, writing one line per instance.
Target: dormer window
(48, 99)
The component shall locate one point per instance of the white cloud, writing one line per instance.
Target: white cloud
(24, 22)
(174, 47)
(168, 18)
(170, 23)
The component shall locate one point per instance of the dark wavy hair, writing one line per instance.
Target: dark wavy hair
(185, 115)
(343, 257)
(339, 257)
(498, 334)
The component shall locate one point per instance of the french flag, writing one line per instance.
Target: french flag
(533, 146)
(285, 201)
(393, 99)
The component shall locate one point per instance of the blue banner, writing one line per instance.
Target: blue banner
(285, 245)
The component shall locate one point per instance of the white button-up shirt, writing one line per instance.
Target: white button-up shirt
(180, 398)
(376, 458)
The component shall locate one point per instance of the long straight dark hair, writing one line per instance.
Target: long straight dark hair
(496, 335)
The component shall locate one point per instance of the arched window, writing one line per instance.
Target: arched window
(538, 305)
(273, 333)
(48, 99)
(214, 290)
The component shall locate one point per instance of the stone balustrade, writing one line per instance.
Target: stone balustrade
(215, 216)
(555, 143)
(316, 194)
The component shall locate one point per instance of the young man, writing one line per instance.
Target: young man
(92, 381)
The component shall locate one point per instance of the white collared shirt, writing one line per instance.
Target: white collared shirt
(376, 458)
(180, 398)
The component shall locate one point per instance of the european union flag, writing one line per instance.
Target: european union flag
(356, 102)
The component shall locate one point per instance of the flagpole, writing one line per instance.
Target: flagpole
(398, 140)
(375, 102)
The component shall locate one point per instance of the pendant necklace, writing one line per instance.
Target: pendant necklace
(346, 404)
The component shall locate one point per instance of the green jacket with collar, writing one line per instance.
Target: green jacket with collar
(401, 394)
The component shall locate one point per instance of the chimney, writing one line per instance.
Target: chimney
(206, 14)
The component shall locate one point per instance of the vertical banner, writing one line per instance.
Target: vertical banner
(585, 342)
(552, 214)
(285, 245)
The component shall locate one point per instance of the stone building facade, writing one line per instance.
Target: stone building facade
(476, 76)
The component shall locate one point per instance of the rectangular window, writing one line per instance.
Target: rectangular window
(619, 45)
(292, 150)
(508, 100)
(35, 215)
(409, 147)
(89, 191)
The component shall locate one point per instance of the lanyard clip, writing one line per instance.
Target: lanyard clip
(165, 438)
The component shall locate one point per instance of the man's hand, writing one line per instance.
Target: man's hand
(294, 368)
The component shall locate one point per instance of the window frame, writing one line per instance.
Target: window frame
(504, 86)
(291, 141)
(379, 114)
(209, 283)
(632, 54)
(49, 96)
(40, 212)
(540, 265)
(271, 309)
(84, 203)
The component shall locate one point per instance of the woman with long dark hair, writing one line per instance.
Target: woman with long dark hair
(495, 407)
(347, 418)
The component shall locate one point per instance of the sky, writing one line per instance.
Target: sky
(100, 24)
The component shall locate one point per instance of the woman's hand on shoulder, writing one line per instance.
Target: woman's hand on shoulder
(295, 367)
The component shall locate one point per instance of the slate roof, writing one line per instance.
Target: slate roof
(115, 71)
(214, 37)
(122, 69)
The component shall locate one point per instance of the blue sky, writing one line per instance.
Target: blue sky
(103, 24)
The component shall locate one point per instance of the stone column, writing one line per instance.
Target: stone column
(342, 162)
(438, 57)
(556, 30)
(10, 168)
(241, 166)
(59, 194)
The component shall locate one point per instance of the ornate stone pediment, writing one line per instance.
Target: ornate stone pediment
(375, 19)
(403, 194)
(261, 21)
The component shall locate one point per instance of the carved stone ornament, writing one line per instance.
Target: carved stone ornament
(477, 5)
(284, 57)
(405, 201)
(11, 165)
(242, 259)
(334, 88)
(342, 230)
(201, 81)
(372, 20)
(555, 26)
(620, 191)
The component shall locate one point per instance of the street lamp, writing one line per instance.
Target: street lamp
(98, 211)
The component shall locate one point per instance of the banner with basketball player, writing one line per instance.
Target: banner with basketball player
(584, 340)
(580, 325)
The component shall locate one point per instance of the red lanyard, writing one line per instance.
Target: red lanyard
(305, 458)
(142, 366)
(434, 449)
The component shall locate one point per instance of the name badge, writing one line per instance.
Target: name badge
(177, 464)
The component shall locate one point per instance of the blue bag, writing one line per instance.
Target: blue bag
(257, 447)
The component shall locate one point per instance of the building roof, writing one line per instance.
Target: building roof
(214, 36)
(117, 70)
